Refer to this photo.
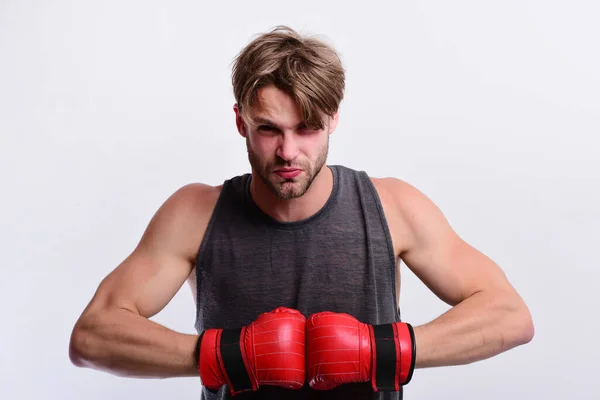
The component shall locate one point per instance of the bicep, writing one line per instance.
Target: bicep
(143, 283)
(449, 266)
(153, 273)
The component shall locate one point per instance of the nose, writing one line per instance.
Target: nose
(288, 148)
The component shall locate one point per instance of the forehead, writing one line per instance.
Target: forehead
(275, 105)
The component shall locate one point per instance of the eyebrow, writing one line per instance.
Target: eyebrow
(266, 121)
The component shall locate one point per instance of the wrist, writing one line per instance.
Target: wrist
(210, 362)
(405, 338)
(222, 360)
(394, 356)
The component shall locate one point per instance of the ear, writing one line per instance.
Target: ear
(333, 121)
(239, 121)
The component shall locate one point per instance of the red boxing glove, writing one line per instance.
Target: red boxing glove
(269, 351)
(340, 349)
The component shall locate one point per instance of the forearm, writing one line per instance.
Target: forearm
(479, 327)
(126, 344)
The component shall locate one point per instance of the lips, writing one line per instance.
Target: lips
(288, 173)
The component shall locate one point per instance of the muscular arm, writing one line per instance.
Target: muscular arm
(114, 332)
(487, 316)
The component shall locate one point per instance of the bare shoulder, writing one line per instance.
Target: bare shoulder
(182, 219)
(197, 198)
(407, 209)
(402, 193)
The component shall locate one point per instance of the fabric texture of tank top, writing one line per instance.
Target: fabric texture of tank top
(340, 259)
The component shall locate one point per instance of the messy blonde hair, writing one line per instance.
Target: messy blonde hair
(305, 68)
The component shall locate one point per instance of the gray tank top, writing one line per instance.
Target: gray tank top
(340, 259)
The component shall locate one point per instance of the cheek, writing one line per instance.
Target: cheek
(313, 146)
(263, 146)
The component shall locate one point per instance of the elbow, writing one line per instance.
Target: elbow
(80, 346)
(527, 328)
(521, 325)
(77, 349)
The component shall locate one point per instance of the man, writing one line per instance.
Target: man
(294, 266)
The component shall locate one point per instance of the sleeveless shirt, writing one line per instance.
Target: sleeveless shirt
(340, 259)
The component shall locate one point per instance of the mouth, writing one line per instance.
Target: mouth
(288, 173)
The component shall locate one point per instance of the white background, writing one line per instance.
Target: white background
(490, 108)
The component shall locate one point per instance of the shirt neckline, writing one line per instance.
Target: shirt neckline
(267, 219)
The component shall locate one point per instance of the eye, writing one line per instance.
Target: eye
(266, 128)
(307, 129)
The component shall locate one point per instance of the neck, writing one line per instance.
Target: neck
(297, 209)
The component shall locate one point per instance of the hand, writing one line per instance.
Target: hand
(269, 351)
(340, 349)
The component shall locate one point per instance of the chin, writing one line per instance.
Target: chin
(289, 190)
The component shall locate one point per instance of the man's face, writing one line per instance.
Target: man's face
(284, 153)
